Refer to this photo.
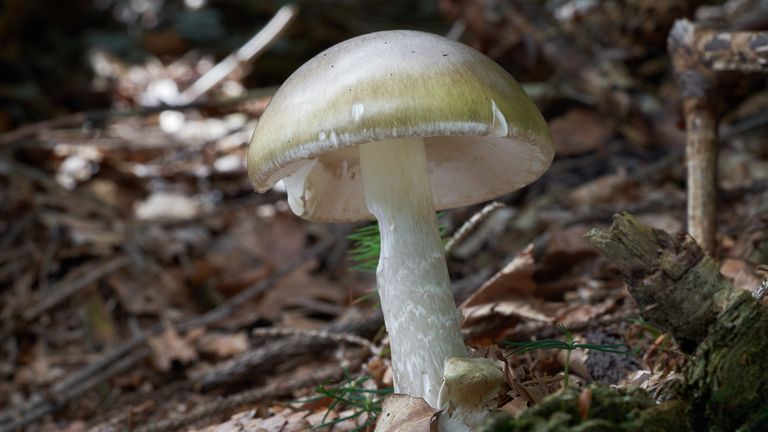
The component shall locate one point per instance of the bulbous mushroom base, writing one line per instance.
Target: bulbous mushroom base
(421, 317)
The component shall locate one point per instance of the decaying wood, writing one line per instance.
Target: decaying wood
(680, 290)
(675, 285)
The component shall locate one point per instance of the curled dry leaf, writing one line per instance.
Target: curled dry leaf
(169, 347)
(503, 301)
(521, 309)
(403, 413)
(514, 280)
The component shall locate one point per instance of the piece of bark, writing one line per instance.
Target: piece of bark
(676, 286)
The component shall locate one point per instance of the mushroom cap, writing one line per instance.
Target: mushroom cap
(483, 135)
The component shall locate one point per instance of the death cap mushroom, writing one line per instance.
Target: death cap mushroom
(483, 135)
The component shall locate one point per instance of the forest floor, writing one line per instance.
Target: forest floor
(145, 285)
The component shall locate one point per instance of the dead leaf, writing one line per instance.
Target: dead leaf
(741, 273)
(143, 293)
(569, 244)
(514, 280)
(521, 309)
(300, 284)
(578, 361)
(580, 314)
(403, 413)
(275, 423)
(277, 239)
(169, 347)
(579, 131)
(515, 407)
(602, 190)
(668, 222)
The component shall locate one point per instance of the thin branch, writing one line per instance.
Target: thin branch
(255, 46)
(476, 219)
(319, 334)
(66, 289)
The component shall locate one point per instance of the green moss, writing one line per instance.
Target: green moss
(611, 409)
(728, 383)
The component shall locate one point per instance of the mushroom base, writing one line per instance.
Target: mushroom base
(423, 322)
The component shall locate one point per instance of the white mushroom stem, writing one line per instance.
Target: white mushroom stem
(421, 317)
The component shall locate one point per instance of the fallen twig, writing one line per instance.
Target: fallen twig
(319, 334)
(255, 46)
(463, 231)
(284, 351)
(67, 289)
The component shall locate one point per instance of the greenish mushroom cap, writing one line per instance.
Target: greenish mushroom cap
(483, 135)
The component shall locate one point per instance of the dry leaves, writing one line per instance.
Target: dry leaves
(403, 413)
(169, 347)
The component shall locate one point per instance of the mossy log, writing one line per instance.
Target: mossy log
(681, 291)
(678, 289)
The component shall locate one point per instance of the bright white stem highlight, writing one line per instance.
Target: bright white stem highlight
(421, 317)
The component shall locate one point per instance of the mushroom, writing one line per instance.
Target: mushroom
(395, 125)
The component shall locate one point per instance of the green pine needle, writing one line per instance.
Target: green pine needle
(569, 345)
(366, 246)
(351, 394)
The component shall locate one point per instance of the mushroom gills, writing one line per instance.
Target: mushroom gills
(420, 314)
